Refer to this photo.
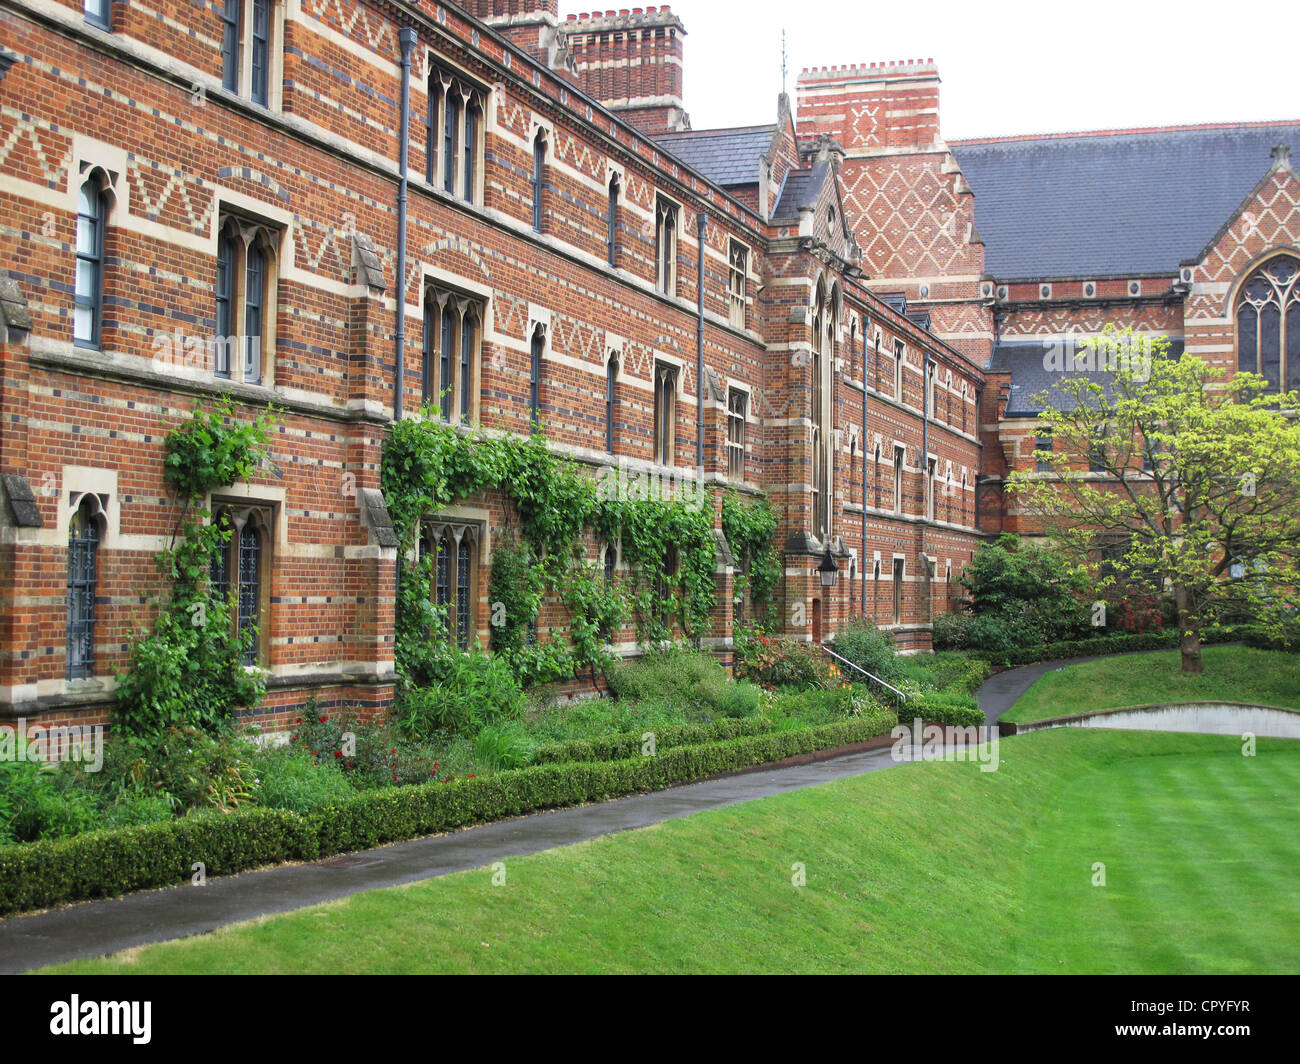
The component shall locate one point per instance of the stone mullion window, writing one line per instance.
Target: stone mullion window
(536, 355)
(245, 558)
(250, 48)
(245, 300)
(454, 125)
(449, 361)
(454, 580)
(97, 13)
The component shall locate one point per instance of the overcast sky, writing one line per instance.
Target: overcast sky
(1008, 66)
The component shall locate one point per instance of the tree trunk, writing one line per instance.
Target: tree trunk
(1189, 631)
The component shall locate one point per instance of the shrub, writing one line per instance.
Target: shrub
(289, 778)
(376, 755)
(694, 681)
(955, 671)
(1111, 644)
(37, 802)
(194, 768)
(943, 707)
(133, 809)
(1023, 595)
(952, 631)
(630, 744)
(469, 691)
(869, 648)
(783, 662)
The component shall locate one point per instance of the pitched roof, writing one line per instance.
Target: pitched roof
(800, 190)
(1035, 374)
(1112, 204)
(727, 157)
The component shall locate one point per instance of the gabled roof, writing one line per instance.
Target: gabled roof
(1112, 204)
(727, 157)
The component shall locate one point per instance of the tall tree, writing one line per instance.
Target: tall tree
(1189, 474)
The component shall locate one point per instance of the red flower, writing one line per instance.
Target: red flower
(322, 720)
(394, 779)
(298, 721)
(473, 777)
(394, 749)
(338, 753)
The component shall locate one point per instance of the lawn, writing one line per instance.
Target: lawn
(1232, 673)
(929, 867)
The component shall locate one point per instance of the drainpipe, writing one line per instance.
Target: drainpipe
(862, 449)
(927, 484)
(701, 224)
(406, 38)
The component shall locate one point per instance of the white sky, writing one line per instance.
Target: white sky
(1008, 66)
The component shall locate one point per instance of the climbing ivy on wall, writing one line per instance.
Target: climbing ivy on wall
(188, 669)
(429, 464)
(750, 527)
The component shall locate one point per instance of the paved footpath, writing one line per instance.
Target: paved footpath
(92, 929)
(999, 693)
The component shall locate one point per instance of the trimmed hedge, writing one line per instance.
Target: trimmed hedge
(1109, 644)
(104, 863)
(628, 744)
(944, 707)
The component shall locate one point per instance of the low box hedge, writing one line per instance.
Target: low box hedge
(943, 707)
(105, 863)
(1109, 644)
(629, 744)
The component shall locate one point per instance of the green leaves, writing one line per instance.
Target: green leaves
(1199, 486)
(212, 450)
(666, 543)
(187, 671)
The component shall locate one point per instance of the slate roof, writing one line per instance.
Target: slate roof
(800, 187)
(1112, 204)
(727, 157)
(1035, 372)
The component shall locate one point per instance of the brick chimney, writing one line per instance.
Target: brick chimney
(872, 107)
(533, 25)
(631, 61)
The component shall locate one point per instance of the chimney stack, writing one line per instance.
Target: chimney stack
(631, 61)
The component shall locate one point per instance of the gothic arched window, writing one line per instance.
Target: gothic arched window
(83, 558)
(1268, 324)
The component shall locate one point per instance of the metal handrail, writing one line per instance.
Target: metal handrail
(859, 668)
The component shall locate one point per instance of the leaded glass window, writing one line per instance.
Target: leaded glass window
(1268, 324)
(83, 558)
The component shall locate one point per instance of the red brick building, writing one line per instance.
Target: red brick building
(208, 201)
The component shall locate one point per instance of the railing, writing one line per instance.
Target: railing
(859, 668)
